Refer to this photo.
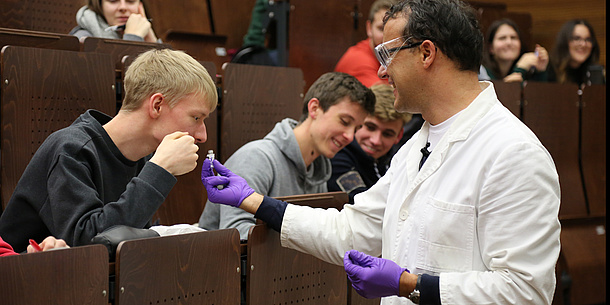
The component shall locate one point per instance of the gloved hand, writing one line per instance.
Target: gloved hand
(235, 189)
(372, 277)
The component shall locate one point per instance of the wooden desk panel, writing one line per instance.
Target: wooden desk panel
(255, 98)
(594, 147)
(277, 275)
(195, 268)
(551, 111)
(44, 90)
(36, 39)
(73, 276)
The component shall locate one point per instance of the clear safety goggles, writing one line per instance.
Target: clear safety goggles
(385, 54)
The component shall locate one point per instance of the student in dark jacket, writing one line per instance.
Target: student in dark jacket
(360, 164)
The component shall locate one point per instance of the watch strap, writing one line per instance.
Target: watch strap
(415, 295)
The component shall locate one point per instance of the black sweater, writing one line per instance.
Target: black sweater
(78, 184)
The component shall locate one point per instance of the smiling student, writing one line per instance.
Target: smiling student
(361, 163)
(294, 158)
(506, 57)
(576, 55)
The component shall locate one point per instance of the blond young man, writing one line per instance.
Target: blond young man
(101, 171)
(360, 164)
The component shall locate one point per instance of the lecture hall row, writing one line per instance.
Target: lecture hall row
(564, 127)
(35, 84)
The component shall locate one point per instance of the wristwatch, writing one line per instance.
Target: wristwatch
(415, 295)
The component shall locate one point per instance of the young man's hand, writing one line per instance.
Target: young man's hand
(177, 153)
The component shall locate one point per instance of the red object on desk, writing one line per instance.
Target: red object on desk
(35, 245)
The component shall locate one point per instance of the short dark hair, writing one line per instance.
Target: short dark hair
(451, 25)
(332, 87)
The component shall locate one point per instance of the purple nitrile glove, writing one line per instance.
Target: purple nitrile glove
(372, 277)
(235, 188)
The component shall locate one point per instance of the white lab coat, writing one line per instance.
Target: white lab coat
(482, 213)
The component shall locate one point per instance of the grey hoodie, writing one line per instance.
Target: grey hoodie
(272, 166)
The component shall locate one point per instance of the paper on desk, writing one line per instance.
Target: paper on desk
(176, 229)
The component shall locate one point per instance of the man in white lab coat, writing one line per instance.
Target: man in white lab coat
(473, 222)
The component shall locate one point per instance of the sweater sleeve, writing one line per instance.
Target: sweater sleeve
(76, 211)
(272, 211)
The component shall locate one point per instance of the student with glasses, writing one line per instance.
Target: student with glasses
(476, 224)
(576, 54)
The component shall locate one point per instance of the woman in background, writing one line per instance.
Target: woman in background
(115, 19)
(505, 55)
(576, 54)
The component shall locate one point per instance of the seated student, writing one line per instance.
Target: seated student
(99, 172)
(47, 244)
(505, 56)
(576, 55)
(96, 18)
(255, 48)
(360, 60)
(361, 163)
(293, 158)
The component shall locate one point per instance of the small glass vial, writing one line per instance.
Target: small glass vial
(211, 157)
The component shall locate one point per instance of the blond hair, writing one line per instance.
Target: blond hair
(384, 104)
(174, 74)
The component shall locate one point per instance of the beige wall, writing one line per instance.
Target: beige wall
(549, 15)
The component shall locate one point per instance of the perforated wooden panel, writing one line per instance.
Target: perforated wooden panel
(55, 16)
(594, 147)
(38, 39)
(66, 276)
(197, 268)
(510, 96)
(551, 111)
(321, 31)
(45, 90)
(254, 99)
(278, 276)
(119, 48)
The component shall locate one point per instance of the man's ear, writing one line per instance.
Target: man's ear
(429, 53)
(369, 28)
(156, 103)
(313, 106)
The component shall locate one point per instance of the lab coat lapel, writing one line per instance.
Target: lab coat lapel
(459, 131)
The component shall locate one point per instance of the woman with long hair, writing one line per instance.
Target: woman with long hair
(505, 55)
(576, 54)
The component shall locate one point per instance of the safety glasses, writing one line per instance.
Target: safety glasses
(385, 54)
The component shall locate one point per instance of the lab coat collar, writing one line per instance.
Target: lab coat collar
(459, 131)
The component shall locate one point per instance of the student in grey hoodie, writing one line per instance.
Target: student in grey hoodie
(96, 18)
(294, 158)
